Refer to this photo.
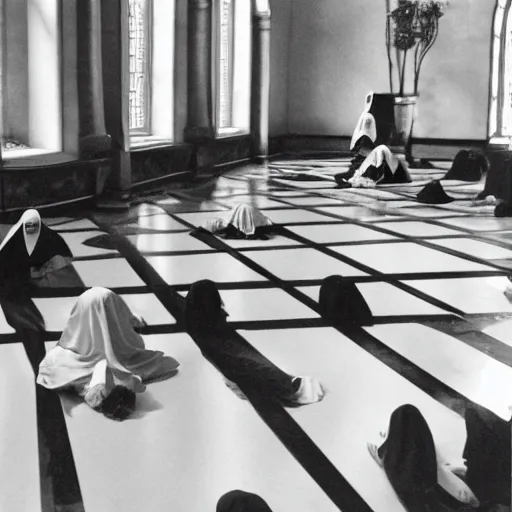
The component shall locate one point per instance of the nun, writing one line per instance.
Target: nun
(241, 501)
(420, 478)
(380, 167)
(31, 254)
(31, 251)
(488, 456)
(102, 357)
(244, 222)
(244, 368)
(342, 304)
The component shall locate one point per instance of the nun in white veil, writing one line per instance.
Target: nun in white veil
(29, 254)
(244, 221)
(102, 357)
(32, 252)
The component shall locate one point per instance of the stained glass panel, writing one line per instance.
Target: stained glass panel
(225, 71)
(139, 28)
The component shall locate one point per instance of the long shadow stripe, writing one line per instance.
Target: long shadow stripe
(386, 355)
(279, 421)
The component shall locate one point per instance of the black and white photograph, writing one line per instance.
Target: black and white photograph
(255, 255)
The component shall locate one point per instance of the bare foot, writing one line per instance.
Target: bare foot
(458, 470)
(374, 452)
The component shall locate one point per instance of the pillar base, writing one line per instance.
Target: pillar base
(198, 133)
(93, 146)
(261, 159)
(114, 202)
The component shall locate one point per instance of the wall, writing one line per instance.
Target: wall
(279, 65)
(16, 71)
(337, 54)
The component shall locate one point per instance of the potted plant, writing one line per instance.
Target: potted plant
(411, 30)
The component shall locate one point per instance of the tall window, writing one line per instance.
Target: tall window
(500, 110)
(226, 63)
(151, 33)
(139, 23)
(31, 71)
(232, 66)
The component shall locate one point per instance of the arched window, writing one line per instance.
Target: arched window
(232, 66)
(500, 111)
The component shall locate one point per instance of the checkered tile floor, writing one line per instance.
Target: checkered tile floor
(429, 274)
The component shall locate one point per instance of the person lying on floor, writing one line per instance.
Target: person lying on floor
(380, 167)
(241, 501)
(102, 357)
(241, 364)
(31, 254)
(342, 304)
(244, 222)
(425, 482)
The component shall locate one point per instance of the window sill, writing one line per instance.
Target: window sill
(33, 157)
(500, 141)
(149, 142)
(229, 133)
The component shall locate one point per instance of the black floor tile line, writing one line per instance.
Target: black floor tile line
(392, 359)
(407, 238)
(306, 452)
(280, 422)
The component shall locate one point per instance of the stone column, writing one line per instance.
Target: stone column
(199, 103)
(93, 136)
(115, 57)
(260, 94)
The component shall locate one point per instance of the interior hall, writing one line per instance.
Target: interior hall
(255, 255)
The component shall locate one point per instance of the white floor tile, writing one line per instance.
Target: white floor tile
(356, 212)
(199, 218)
(407, 258)
(5, 328)
(167, 242)
(380, 194)
(361, 395)
(334, 233)
(472, 373)
(470, 295)
(113, 273)
(56, 310)
(76, 224)
(475, 248)
(430, 212)
(271, 242)
(480, 223)
(306, 184)
(255, 200)
(501, 331)
(195, 441)
(384, 299)
(312, 201)
(162, 222)
(417, 229)
(298, 264)
(218, 267)
(292, 216)
(263, 304)
(76, 241)
(19, 470)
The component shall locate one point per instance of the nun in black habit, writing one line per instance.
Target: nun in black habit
(246, 370)
(241, 501)
(32, 254)
(426, 483)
